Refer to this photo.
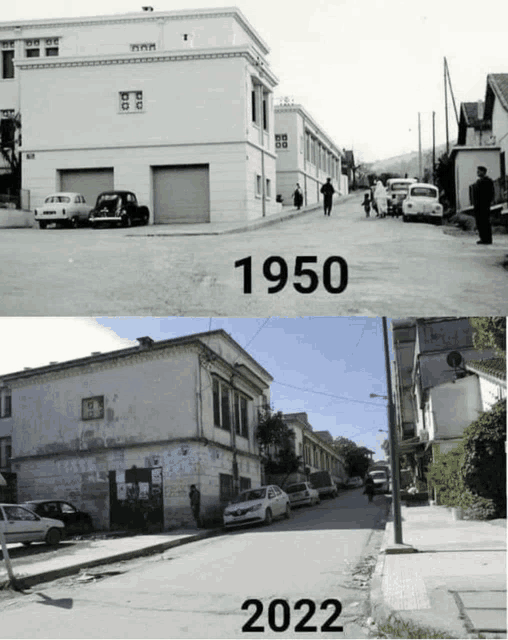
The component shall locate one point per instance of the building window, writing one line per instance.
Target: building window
(131, 101)
(143, 46)
(245, 484)
(268, 188)
(7, 62)
(258, 185)
(51, 46)
(281, 140)
(226, 491)
(221, 408)
(265, 111)
(92, 408)
(253, 105)
(5, 453)
(241, 419)
(7, 406)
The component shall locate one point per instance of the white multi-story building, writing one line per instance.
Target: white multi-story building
(176, 106)
(305, 155)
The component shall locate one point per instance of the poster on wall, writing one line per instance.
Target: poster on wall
(156, 476)
(144, 490)
(121, 491)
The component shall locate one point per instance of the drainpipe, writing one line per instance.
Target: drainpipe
(262, 144)
(236, 476)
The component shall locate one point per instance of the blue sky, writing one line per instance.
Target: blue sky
(362, 69)
(326, 367)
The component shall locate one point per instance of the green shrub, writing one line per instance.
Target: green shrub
(445, 477)
(481, 509)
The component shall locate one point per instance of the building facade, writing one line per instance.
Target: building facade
(124, 434)
(305, 155)
(176, 106)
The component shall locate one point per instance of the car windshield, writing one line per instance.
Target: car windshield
(111, 201)
(397, 186)
(426, 192)
(57, 199)
(252, 494)
(378, 474)
(294, 488)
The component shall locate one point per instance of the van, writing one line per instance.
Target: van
(323, 482)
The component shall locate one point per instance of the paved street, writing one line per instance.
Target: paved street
(197, 591)
(394, 269)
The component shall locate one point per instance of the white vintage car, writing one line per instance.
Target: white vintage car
(69, 209)
(422, 203)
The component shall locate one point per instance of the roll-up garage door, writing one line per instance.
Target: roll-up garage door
(181, 194)
(89, 182)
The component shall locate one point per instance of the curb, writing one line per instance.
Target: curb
(53, 574)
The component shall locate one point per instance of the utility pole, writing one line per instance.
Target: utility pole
(434, 147)
(399, 546)
(446, 107)
(419, 147)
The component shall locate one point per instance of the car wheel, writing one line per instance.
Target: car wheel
(74, 222)
(268, 516)
(42, 225)
(26, 544)
(287, 515)
(145, 219)
(53, 537)
(87, 527)
(126, 221)
(405, 218)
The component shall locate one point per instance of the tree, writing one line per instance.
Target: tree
(276, 443)
(445, 181)
(356, 458)
(490, 333)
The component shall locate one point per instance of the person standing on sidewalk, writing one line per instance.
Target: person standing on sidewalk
(327, 190)
(195, 502)
(369, 488)
(483, 195)
(366, 204)
(298, 197)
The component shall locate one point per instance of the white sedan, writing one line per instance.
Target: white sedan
(22, 525)
(302, 493)
(422, 203)
(257, 505)
(69, 209)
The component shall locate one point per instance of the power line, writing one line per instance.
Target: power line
(331, 395)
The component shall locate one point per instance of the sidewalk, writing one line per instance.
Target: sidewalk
(455, 584)
(73, 556)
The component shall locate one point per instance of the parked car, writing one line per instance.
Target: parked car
(257, 505)
(354, 482)
(75, 521)
(381, 482)
(323, 482)
(120, 208)
(396, 192)
(302, 493)
(422, 203)
(23, 525)
(66, 208)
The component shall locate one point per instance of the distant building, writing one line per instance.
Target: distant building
(305, 155)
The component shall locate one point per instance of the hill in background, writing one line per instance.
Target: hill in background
(405, 164)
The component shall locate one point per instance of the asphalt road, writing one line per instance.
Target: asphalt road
(322, 553)
(394, 269)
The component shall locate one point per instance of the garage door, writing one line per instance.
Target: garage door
(181, 194)
(89, 182)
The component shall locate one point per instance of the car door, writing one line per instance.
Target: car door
(69, 515)
(279, 501)
(22, 525)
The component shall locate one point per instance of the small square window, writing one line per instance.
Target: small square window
(92, 408)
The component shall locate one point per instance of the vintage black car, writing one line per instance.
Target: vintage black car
(75, 521)
(118, 207)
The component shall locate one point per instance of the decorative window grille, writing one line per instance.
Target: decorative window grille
(131, 101)
(92, 408)
(281, 140)
(32, 48)
(143, 46)
(51, 46)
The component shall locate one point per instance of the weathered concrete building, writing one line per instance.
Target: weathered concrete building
(124, 434)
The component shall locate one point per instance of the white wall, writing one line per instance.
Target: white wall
(466, 163)
(500, 126)
(453, 406)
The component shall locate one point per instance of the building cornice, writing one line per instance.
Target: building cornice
(157, 17)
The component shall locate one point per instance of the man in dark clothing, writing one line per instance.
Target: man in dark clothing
(195, 502)
(327, 190)
(369, 488)
(483, 195)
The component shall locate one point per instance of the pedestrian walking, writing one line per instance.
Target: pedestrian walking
(381, 200)
(366, 204)
(327, 190)
(298, 197)
(483, 195)
(369, 488)
(195, 503)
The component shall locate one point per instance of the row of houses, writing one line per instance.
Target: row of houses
(123, 434)
(482, 140)
(442, 384)
(178, 106)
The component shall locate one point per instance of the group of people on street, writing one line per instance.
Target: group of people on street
(327, 190)
(378, 199)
